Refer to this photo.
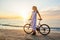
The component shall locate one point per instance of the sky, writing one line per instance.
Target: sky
(49, 9)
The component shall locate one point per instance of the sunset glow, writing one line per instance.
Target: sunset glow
(22, 9)
(24, 14)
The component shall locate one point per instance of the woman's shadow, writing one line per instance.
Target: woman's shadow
(31, 37)
(37, 37)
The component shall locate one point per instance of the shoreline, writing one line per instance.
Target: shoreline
(21, 28)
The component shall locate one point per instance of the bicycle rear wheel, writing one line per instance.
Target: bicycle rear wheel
(44, 29)
(27, 29)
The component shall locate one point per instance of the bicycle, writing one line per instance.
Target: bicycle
(44, 29)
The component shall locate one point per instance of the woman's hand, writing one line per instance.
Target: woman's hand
(40, 19)
(29, 19)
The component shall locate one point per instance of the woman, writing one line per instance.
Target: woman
(33, 19)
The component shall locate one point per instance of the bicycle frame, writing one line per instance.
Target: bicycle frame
(39, 22)
(37, 28)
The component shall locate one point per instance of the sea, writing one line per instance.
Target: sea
(19, 24)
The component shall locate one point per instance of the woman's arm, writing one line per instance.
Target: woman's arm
(39, 15)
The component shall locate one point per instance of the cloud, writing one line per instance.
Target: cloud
(51, 17)
(51, 14)
(51, 8)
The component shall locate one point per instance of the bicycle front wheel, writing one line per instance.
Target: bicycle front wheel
(27, 29)
(44, 29)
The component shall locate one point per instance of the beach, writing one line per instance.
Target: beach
(10, 34)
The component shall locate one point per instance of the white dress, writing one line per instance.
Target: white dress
(33, 21)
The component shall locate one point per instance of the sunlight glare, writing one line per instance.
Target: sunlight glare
(24, 14)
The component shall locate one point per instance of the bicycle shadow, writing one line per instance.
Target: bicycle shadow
(37, 37)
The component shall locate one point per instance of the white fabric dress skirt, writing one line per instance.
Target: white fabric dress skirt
(33, 21)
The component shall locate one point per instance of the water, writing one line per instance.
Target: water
(18, 22)
(14, 22)
(55, 30)
(11, 21)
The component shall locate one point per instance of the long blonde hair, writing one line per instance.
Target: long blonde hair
(34, 8)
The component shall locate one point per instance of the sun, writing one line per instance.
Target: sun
(24, 15)
(25, 12)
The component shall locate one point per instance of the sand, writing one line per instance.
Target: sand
(10, 34)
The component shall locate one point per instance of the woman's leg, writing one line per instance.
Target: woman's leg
(34, 27)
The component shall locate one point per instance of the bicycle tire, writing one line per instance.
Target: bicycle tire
(46, 28)
(25, 30)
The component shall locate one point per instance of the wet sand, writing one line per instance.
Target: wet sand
(6, 34)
